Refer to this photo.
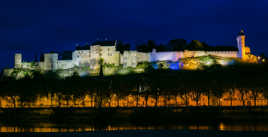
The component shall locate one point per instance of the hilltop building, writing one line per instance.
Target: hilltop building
(105, 51)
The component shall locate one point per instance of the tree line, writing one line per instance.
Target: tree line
(174, 45)
(151, 82)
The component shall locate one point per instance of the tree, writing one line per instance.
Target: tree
(177, 44)
(196, 95)
(37, 75)
(196, 45)
(75, 76)
(161, 47)
(184, 92)
(142, 48)
(41, 57)
(147, 47)
(50, 75)
(101, 67)
(255, 93)
(121, 47)
(207, 91)
(151, 45)
(217, 92)
(263, 58)
(262, 55)
(243, 92)
(231, 94)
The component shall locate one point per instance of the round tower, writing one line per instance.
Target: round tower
(241, 38)
(18, 60)
(50, 61)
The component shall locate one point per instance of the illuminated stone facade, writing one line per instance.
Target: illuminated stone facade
(90, 56)
(244, 52)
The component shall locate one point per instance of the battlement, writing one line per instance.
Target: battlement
(90, 56)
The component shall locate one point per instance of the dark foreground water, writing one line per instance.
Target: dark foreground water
(223, 126)
(144, 133)
(135, 122)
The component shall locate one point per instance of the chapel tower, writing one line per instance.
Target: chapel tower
(241, 38)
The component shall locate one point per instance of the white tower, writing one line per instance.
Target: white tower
(18, 60)
(50, 61)
(241, 38)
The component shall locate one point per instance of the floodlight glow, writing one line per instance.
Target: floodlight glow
(174, 65)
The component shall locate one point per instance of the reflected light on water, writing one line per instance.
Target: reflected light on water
(51, 128)
(199, 127)
(242, 127)
(221, 127)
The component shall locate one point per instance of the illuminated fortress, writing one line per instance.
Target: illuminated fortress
(105, 51)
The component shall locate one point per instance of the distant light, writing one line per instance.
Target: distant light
(208, 63)
(174, 65)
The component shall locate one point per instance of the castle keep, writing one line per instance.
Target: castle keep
(105, 51)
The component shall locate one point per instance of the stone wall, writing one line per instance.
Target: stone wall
(90, 58)
(81, 57)
(110, 55)
(132, 58)
(228, 54)
(65, 64)
(165, 56)
(143, 57)
(50, 61)
(107, 53)
(129, 59)
(29, 65)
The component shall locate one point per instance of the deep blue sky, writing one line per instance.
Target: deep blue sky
(35, 26)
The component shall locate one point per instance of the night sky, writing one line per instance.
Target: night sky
(36, 26)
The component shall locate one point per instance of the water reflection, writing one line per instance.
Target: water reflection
(192, 97)
(44, 127)
(243, 127)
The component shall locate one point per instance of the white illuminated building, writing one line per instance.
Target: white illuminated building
(90, 56)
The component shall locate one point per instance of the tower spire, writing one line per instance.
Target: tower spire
(241, 44)
(241, 33)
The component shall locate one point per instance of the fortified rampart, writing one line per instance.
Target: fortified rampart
(127, 59)
(106, 53)
(50, 61)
